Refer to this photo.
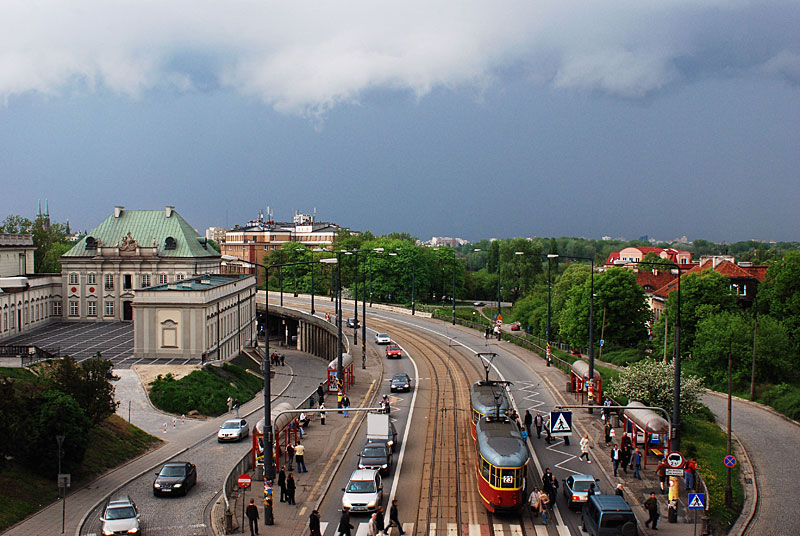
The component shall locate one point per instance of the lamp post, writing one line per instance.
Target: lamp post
(676, 362)
(550, 256)
(337, 261)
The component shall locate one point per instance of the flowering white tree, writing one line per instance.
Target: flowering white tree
(650, 382)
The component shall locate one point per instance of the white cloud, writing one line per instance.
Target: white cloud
(307, 57)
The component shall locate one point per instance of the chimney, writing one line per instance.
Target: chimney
(168, 211)
(118, 211)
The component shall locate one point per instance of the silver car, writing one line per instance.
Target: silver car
(382, 338)
(120, 516)
(233, 430)
(364, 491)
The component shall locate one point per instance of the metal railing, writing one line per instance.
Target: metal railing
(29, 354)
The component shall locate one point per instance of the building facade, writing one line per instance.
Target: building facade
(207, 317)
(129, 251)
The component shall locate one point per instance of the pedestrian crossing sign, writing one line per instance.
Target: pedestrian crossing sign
(697, 501)
(561, 423)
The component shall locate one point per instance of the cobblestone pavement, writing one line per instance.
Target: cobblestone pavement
(771, 442)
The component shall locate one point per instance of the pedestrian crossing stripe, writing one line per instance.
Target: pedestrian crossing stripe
(561, 424)
(696, 501)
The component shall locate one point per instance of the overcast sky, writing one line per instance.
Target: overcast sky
(471, 119)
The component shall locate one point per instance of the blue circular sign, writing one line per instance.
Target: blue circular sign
(730, 460)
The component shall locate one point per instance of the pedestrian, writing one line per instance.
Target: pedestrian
(533, 501)
(230, 403)
(626, 440)
(299, 424)
(615, 458)
(372, 526)
(344, 523)
(487, 332)
(549, 484)
(283, 359)
(547, 437)
(290, 455)
(688, 475)
(313, 523)
(607, 433)
(651, 504)
(637, 463)
(528, 421)
(346, 405)
(538, 422)
(618, 490)
(322, 414)
(585, 446)
(299, 457)
(394, 519)
(544, 505)
(624, 458)
(252, 517)
(321, 392)
(291, 486)
(661, 471)
(612, 434)
(379, 520)
(282, 482)
(339, 397)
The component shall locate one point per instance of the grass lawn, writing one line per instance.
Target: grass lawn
(23, 492)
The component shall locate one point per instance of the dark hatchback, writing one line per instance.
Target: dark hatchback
(175, 478)
(376, 456)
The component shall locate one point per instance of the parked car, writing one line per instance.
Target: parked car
(576, 489)
(393, 351)
(353, 323)
(515, 326)
(401, 382)
(382, 338)
(120, 516)
(233, 430)
(376, 456)
(364, 491)
(175, 478)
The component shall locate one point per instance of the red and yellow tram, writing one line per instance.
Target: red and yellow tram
(501, 463)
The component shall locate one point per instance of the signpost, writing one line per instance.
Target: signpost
(244, 482)
(697, 501)
(561, 423)
(675, 464)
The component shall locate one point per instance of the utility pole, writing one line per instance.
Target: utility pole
(728, 489)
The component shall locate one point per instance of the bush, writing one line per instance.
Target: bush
(623, 356)
(784, 398)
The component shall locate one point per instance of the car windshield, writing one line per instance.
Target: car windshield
(173, 470)
(231, 424)
(382, 335)
(393, 347)
(123, 512)
(581, 485)
(373, 452)
(361, 486)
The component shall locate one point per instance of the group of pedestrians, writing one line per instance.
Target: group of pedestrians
(287, 485)
(374, 527)
(277, 359)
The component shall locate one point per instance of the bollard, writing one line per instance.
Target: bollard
(174, 422)
(165, 427)
(228, 522)
(183, 418)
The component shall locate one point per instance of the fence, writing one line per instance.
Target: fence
(29, 354)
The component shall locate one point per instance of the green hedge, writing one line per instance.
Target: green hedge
(206, 390)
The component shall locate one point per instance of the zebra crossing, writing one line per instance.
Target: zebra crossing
(472, 529)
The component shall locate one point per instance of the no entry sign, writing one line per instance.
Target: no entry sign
(244, 481)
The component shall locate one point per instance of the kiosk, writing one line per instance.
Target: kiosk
(649, 431)
(347, 372)
(579, 373)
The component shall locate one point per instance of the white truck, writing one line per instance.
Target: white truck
(380, 429)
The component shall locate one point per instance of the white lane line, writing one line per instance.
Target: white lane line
(362, 529)
(516, 530)
(563, 530)
(541, 530)
(452, 529)
(498, 530)
(432, 530)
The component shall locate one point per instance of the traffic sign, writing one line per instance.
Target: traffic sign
(675, 460)
(730, 460)
(602, 342)
(561, 423)
(244, 481)
(697, 501)
(669, 471)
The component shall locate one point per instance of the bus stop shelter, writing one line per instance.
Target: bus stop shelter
(347, 372)
(578, 376)
(285, 434)
(648, 430)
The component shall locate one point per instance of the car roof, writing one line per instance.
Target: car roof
(176, 464)
(401, 375)
(364, 474)
(120, 501)
(235, 420)
(611, 502)
(590, 478)
(382, 334)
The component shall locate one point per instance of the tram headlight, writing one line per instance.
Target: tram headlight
(385, 466)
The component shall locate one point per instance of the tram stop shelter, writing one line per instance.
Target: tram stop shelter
(578, 385)
(347, 372)
(285, 434)
(649, 431)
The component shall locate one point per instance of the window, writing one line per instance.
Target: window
(109, 308)
(127, 281)
(145, 280)
(109, 281)
(91, 279)
(162, 279)
(56, 308)
(179, 277)
(73, 308)
(73, 279)
(91, 308)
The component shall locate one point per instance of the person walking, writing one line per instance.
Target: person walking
(533, 501)
(528, 421)
(544, 505)
(538, 422)
(252, 517)
(283, 359)
(372, 526)
(282, 482)
(661, 471)
(618, 490)
(313, 523)
(379, 520)
(688, 476)
(550, 484)
(322, 413)
(346, 405)
(637, 463)
(299, 457)
(615, 457)
(344, 523)
(607, 433)
(624, 458)
(651, 504)
(321, 393)
(585, 446)
(394, 519)
(291, 486)
(290, 455)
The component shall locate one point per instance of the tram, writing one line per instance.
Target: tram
(487, 396)
(501, 463)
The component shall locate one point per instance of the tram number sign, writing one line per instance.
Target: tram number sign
(508, 479)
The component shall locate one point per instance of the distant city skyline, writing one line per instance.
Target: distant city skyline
(455, 119)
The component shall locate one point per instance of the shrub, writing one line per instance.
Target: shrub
(206, 390)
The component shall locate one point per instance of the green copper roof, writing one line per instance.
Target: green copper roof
(146, 227)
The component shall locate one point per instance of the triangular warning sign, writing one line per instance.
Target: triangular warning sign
(696, 502)
(561, 425)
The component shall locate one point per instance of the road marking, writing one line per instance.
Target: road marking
(432, 529)
(362, 529)
(563, 530)
(541, 530)
(475, 530)
(452, 529)
(323, 526)
(516, 530)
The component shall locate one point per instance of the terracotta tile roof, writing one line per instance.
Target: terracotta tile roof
(654, 281)
(726, 268)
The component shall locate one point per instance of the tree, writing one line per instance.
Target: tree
(493, 259)
(87, 383)
(650, 382)
(14, 224)
(781, 293)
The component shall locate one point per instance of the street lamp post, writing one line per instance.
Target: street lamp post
(550, 256)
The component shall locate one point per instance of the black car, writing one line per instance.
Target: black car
(401, 382)
(376, 456)
(175, 478)
(353, 323)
